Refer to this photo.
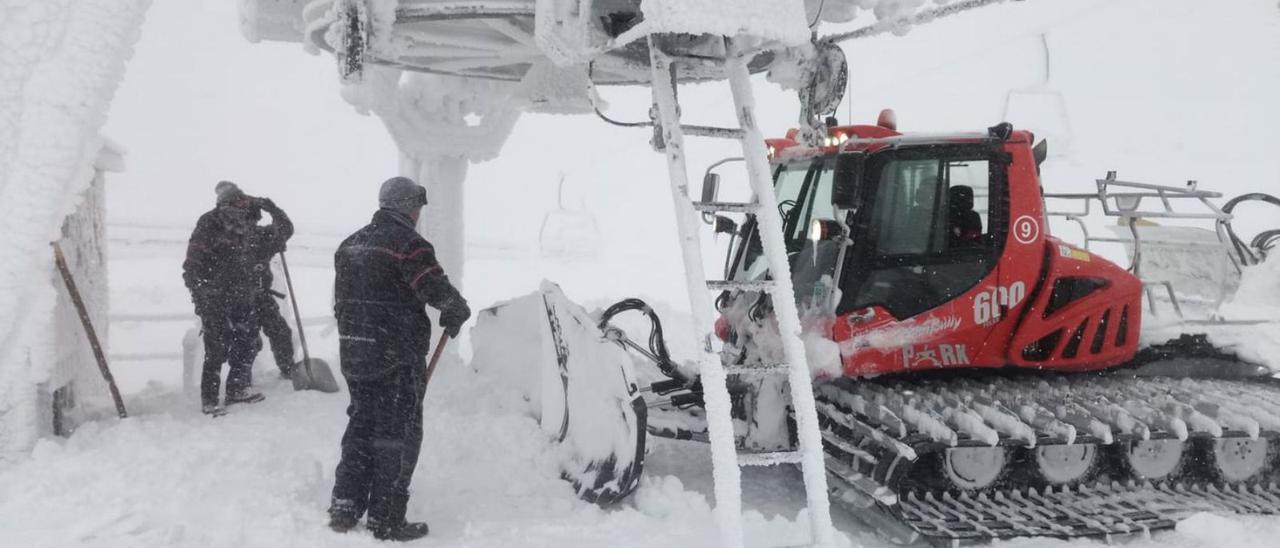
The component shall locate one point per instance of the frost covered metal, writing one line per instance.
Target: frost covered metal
(60, 63)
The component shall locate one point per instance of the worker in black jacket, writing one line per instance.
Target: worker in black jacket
(219, 273)
(386, 275)
(267, 242)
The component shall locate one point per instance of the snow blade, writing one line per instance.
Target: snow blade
(601, 415)
(580, 386)
(313, 374)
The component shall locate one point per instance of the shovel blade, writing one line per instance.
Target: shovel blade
(313, 374)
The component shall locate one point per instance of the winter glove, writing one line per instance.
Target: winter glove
(264, 204)
(452, 318)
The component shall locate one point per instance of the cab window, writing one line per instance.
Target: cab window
(931, 233)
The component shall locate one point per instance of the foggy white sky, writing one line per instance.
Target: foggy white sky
(1162, 91)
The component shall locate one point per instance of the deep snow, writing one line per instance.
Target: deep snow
(488, 476)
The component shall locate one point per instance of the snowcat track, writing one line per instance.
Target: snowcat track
(884, 438)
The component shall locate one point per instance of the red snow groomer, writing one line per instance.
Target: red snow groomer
(976, 377)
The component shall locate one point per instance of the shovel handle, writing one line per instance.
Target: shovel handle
(435, 359)
(297, 317)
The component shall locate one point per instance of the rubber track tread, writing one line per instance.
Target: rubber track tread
(878, 431)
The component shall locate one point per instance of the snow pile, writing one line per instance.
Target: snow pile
(60, 63)
(821, 352)
(261, 476)
(1257, 298)
(1215, 530)
(1258, 295)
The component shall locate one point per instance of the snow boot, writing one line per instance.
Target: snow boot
(244, 396)
(344, 515)
(213, 410)
(342, 522)
(402, 532)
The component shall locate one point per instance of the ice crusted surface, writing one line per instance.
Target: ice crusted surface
(60, 64)
(822, 353)
(762, 342)
(782, 21)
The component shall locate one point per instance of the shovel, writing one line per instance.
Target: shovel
(310, 374)
(435, 358)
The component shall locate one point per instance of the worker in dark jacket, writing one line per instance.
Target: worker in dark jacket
(224, 287)
(386, 275)
(267, 242)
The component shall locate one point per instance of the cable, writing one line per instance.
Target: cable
(620, 123)
(591, 78)
(1264, 241)
(657, 343)
(818, 16)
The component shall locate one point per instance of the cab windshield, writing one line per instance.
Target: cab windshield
(803, 193)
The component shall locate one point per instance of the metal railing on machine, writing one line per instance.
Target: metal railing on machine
(1188, 263)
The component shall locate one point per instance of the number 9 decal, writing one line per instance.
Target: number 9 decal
(1026, 230)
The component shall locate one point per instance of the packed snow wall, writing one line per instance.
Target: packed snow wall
(60, 63)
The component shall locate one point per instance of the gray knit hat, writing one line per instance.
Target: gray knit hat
(402, 194)
(227, 192)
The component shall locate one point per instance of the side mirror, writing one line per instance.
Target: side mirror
(1040, 152)
(844, 193)
(725, 225)
(710, 186)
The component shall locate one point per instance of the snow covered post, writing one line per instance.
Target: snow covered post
(60, 63)
(442, 124)
(442, 221)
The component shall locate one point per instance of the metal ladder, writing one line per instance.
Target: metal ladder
(725, 458)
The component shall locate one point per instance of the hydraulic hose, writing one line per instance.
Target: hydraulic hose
(1264, 241)
(657, 343)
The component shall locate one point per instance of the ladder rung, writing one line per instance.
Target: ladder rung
(758, 369)
(715, 132)
(754, 285)
(769, 459)
(730, 207)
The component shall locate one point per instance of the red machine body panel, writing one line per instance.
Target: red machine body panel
(1002, 321)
